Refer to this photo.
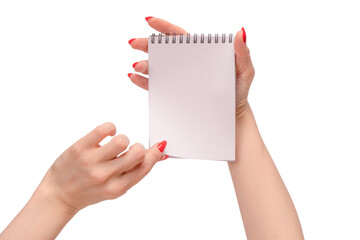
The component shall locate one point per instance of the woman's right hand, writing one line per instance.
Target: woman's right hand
(87, 173)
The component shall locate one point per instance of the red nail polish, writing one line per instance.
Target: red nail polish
(131, 40)
(244, 34)
(134, 65)
(148, 18)
(166, 157)
(129, 74)
(162, 146)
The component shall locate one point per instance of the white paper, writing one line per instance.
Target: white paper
(192, 98)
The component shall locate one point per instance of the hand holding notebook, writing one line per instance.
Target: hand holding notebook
(192, 92)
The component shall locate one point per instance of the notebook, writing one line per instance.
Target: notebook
(192, 95)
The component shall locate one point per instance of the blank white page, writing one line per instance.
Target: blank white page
(192, 96)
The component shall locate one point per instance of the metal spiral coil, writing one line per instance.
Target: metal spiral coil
(180, 37)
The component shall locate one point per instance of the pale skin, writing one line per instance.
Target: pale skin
(265, 204)
(86, 173)
(91, 173)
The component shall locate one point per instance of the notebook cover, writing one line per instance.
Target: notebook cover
(192, 97)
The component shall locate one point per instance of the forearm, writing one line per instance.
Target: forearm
(42, 218)
(265, 204)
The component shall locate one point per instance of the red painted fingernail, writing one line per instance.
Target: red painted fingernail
(166, 157)
(131, 40)
(129, 74)
(148, 18)
(244, 34)
(134, 65)
(162, 146)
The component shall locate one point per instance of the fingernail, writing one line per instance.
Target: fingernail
(131, 40)
(134, 65)
(166, 157)
(244, 34)
(162, 146)
(129, 74)
(148, 18)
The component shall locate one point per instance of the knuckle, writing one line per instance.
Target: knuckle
(138, 150)
(248, 72)
(104, 129)
(251, 72)
(153, 155)
(146, 167)
(121, 141)
(99, 130)
(97, 176)
(110, 126)
(76, 150)
(85, 163)
(167, 25)
(115, 190)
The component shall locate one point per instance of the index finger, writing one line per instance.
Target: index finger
(159, 25)
(164, 26)
(152, 156)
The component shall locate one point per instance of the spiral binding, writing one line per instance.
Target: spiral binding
(186, 39)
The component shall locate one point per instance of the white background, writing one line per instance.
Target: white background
(63, 70)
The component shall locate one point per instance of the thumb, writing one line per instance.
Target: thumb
(153, 155)
(156, 152)
(244, 67)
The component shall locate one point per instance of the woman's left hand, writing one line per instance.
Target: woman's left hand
(244, 68)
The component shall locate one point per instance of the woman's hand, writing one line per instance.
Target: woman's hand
(266, 207)
(244, 69)
(86, 173)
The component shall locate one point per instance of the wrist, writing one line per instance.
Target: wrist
(43, 217)
(248, 140)
(47, 196)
